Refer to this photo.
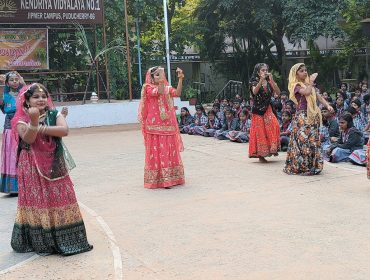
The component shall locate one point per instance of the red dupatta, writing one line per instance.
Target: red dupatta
(47, 151)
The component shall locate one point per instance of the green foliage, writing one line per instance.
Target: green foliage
(307, 20)
(326, 66)
(252, 28)
(190, 92)
(354, 12)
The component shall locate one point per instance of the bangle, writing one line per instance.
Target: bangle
(43, 130)
(33, 127)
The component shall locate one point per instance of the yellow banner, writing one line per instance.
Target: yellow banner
(24, 49)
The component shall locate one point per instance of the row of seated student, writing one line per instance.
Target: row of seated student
(233, 123)
(229, 124)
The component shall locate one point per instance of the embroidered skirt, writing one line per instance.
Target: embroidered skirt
(48, 217)
(264, 137)
(163, 165)
(304, 153)
(9, 182)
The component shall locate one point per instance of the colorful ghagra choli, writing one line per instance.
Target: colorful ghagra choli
(48, 216)
(264, 139)
(163, 165)
(9, 182)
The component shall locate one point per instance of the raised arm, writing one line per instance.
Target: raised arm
(274, 85)
(180, 76)
(324, 102)
(28, 132)
(308, 89)
(256, 87)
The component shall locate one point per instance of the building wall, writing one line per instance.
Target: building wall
(90, 115)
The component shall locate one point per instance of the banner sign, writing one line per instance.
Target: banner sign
(24, 49)
(51, 11)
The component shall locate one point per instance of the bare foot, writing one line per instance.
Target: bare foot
(262, 160)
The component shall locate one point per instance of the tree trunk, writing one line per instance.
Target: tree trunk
(280, 48)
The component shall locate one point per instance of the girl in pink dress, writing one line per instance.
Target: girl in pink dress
(163, 144)
(48, 218)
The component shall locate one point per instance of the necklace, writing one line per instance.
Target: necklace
(13, 93)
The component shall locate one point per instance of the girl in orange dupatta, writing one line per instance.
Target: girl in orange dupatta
(163, 144)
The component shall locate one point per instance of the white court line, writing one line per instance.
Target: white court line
(113, 245)
(118, 271)
(13, 267)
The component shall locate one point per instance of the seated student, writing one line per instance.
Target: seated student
(344, 96)
(290, 107)
(231, 123)
(339, 106)
(244, 103)
(283, 99)
(220, 115)
(225, 103)
(200, 119)
(365, 108)
(359, 156)
(216, 101)
(277, 108)
(359, 120)
(343, 89)
(327, 97)
(328, 120)
(350, 139)
(210, 127)
(237, 108)
(285, 130)
(329, 131)
(185, 120)
(241, 135)
(325, 142)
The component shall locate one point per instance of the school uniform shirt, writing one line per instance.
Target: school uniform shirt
(214, 124)
(231, 125)
(188, 120)
(200, 121)
(351, 139)
(333, 127)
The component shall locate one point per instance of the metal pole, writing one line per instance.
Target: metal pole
(367, 57)
(138, 49)
(97, 65)
(128, 52)
(167, 42)
(107, 77)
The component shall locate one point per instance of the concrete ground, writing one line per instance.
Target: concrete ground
(234, 219)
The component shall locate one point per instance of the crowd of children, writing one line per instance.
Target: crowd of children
(228, 120)
(343, 133)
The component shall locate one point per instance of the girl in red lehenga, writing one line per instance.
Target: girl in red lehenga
(264, 132)
(48, 217)
(163, 165)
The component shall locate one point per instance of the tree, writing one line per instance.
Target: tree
(244, 25)
(353, 13)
